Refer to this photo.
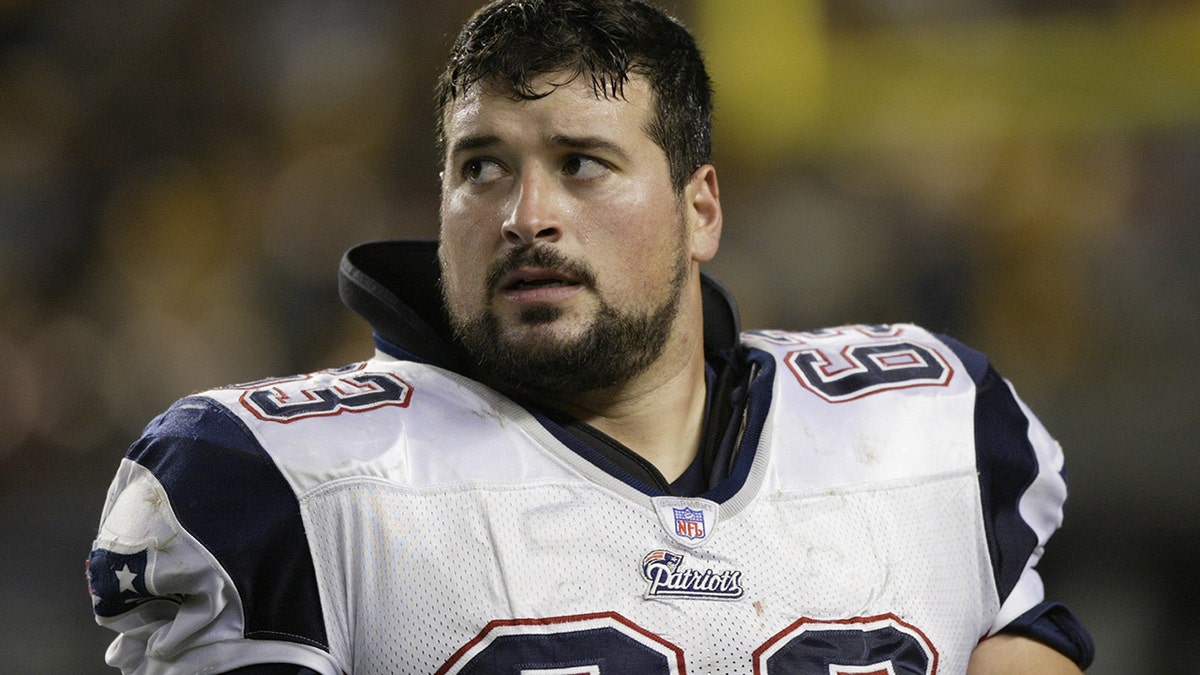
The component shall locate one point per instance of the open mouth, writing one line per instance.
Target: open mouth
(527, 284)
(532, 280)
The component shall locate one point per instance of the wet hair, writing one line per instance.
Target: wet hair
(508, 43)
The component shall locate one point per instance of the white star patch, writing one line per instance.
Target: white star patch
(126, 576)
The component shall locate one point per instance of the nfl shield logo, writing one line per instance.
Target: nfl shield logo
(689, 523)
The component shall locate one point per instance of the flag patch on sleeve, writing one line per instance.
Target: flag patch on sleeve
(117, 581)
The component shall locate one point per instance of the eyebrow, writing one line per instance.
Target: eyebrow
(589, 143)
(471, 143)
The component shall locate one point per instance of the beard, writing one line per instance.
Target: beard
(613, 348)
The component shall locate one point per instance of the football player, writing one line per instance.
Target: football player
(565, 456)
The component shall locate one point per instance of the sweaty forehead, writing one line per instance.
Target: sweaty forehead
(569, 106)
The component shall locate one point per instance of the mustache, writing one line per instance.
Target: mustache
(543, 257)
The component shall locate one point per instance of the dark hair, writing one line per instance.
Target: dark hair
(508, 43)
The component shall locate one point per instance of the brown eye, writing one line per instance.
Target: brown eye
(481, 170)
(582, 166)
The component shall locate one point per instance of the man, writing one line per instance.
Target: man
(573, 463)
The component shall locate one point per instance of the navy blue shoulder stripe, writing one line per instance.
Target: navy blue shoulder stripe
(1007, 465)
(976, 362)
(227, 492)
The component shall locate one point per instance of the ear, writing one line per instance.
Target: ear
(703, 203)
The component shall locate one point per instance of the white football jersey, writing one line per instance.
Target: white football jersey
(885, 512)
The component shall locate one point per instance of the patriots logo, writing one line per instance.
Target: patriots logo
(668, 578)
(689, 523)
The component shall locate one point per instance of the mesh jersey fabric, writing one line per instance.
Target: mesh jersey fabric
(429, 524)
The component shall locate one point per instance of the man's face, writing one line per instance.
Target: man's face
(564, 248)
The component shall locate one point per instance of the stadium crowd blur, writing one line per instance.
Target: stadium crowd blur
(179, 178)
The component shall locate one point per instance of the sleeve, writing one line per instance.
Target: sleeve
(1023, 487)
(201, 562)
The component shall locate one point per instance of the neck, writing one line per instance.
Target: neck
(660, 413)
(663, 424)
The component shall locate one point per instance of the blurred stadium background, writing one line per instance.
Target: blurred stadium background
(179, 178)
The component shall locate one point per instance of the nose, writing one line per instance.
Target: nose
(535, 215)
